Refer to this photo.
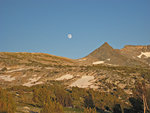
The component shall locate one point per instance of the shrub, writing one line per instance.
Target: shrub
(7, 104)
(63, 97)
(41, 95)
(52, 107)
(89, 110)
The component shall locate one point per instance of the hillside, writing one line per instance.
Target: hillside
(37, 68)
(105, 70)
(32, 59)
(140, 53)
(128, 56)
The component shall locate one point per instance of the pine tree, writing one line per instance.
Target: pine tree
(52, 107)
(89, 110)
(7, 104)
(141, 92)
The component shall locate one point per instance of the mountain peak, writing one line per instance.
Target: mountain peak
(102, 52)
(106, 45)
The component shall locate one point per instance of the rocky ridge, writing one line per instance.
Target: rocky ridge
(106, 69)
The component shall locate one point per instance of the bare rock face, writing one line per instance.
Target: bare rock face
(106, 69)
(104, 52)
(140, 53)
(134, 50)
(138, 48)
(107, 55)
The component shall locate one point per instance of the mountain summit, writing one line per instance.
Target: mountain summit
(102, 53)
(105, 54)
(105, 45)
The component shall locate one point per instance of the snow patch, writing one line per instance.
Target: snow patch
(24, 75)
(108, 59)
(48, 68)
(83, 82)
(40, 82)
(31, 82)
(34, 75)
(20, 69)
(94, 87)
(34, 79)
(7, 78)
(98, 62)
(65, 77)
(146, 54)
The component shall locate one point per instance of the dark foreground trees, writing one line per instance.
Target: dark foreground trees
(89, 110)
(142, 93)
(52, 107)
(51, 99)
(7, 104)
(140, 100)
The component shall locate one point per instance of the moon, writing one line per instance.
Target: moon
(69, 36)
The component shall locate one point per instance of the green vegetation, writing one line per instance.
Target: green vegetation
(7, 104)
(33, 59)
(89, 110)
(52, 107)
(59, 97)
(56, 98)
(142, 93)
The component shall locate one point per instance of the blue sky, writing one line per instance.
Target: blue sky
(43, 25)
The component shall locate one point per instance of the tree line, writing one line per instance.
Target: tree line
(54, 98)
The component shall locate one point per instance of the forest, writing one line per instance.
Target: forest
(57, 98)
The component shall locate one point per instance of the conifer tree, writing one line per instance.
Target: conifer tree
(7, 104)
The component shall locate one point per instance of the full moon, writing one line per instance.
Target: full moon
(69, 36)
